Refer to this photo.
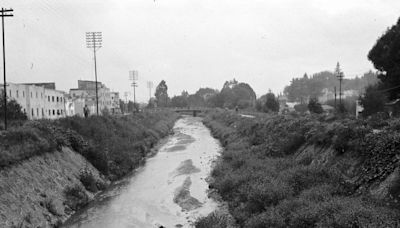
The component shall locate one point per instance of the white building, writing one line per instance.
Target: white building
(38, 100)
(85, 94)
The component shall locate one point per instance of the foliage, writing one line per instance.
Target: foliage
(301, 89)
(14, 110)
(373, 100)
(88, 180)
(302, 108)
(213, 220)
(265, 183)
(76, 197)
(314, 106)
(161, 94)
(385, 55)
(271, 103)
(114, 145)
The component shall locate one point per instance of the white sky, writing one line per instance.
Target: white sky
(192, 43)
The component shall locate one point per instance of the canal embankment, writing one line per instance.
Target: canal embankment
(170, 190)
(51, 169)
(306, 171)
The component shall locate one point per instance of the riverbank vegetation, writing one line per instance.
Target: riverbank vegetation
(307, 171)
(114, 145)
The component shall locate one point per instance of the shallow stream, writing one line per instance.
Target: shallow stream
(170, 190)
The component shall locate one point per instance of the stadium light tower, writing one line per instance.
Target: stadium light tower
(134, 76)
(95, 40)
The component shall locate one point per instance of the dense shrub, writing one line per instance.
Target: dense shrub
(114, 145)
(267, 184)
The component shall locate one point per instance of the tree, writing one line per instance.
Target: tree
(161, 94)
(373, 100)
(122, 106)
(385, 55)
(314, 106)
(271, 103)
(14, 110)
(179, 101)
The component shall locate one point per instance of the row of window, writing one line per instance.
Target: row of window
(53, 99)
(52, 112)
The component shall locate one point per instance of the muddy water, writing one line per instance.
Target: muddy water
(170, 190)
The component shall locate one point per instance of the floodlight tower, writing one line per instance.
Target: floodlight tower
(126, 94)
(133, 76)
(5, 13)
(150, 86)
(94, 40)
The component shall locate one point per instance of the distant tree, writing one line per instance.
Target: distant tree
(14, 110)
(271, 103)
(385, 55)
(302, 108)
(314, 106)
(161, 94)
(179, 101)
(122, 106)
(373, 100)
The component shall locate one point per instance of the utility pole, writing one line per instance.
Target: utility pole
(149, 86)
(94, 40)
(339, 74)
(335, 97)
(5, 14)
(133, 76)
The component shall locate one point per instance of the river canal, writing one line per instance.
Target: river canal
(169, 191)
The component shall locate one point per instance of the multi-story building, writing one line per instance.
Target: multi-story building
(38, 100)
(85, 94)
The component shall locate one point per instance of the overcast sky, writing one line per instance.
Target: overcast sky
(192, 43)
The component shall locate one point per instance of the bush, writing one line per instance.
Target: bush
(213, 220)
(76, 197)
(268, 182)
(88, 180)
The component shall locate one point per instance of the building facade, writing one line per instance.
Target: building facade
(85, 95)
(38, 101)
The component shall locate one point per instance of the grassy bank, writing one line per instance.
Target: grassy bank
(306, 171)
(114, 145)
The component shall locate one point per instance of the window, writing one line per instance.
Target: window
(61, 112)
(31, 94)
(49, 112)
(58, 112)
(52, 98)
(17, 94)
(54, 112)
(60, 99)
(49, 99)
(23, 93)
(33, 114)
(57, 99)
(37, 111)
